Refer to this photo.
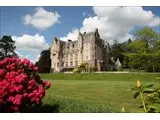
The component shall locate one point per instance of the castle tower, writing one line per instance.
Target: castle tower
(55, 55)
(80, 47)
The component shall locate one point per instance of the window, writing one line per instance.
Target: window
(54, 64)
(71, 57)
(86, 57)
(71, 63)
(73, 45)
(76, 63)
(92, 56)
(66, 64)
(62, 64)
(76, 56)
(57, 64)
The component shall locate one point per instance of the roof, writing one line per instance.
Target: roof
(62, 42)
(88, 34)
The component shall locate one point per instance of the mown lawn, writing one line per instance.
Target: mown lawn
(95, 92)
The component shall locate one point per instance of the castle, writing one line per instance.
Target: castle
(88, 48)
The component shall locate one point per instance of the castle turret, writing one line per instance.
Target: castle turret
(80, 46)
(96, 33)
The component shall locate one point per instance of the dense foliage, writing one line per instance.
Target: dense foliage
(20, 85)
(44, 62)
(141, 54)
(145, 51)
(7, 47)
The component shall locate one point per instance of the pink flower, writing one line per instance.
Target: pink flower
(36, 69)
(18, 86)
(30, 95)
(12, 90)
(20, 71)
(10, 99)
(33, 99)
(47, 84)
(2, 72)
(37, 100)
(31, 65)
(21, 62)
(25, 95)
(16, 109)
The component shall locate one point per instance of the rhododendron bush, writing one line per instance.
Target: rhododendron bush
(20, 85)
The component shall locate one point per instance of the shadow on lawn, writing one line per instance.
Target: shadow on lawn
(43, 109)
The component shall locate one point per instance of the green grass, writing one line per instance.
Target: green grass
(96, 92)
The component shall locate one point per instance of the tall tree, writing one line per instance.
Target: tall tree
(144, 54)
(44, 62)
(7, 47)
(148, 35)
(118, 50)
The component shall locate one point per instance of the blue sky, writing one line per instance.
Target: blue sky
(33, 28)
(71, 17)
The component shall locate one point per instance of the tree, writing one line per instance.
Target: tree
(7, 47)
(118, 51)
(145, 51)
(44, 62)
(125, 63)
(148, 35)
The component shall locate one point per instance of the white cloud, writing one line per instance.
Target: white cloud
(41, 19)
(30, 46)
(116, 22)
(30, 43)
(71, 35)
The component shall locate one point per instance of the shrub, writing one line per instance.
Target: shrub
(93, 69)
(76, 70)
(152, 99)
(20, 85)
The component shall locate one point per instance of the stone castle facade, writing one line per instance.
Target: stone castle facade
(88, 48)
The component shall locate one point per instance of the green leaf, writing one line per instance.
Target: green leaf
(136, 95)
(134, 88)
(148, 91)
(151, 107)
(148, 86)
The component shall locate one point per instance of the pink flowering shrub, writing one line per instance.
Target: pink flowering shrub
(20, 85)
